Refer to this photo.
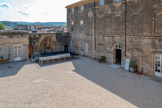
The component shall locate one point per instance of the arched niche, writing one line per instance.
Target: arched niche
(117, 25)
(136, 24)
(136, 55)
(158, 23)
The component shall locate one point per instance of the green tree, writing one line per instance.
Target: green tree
(2, 27)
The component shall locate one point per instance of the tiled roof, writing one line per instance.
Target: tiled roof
(79, 3)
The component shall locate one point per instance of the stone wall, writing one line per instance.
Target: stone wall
(48, 42)
(62, 40)
(104, 27)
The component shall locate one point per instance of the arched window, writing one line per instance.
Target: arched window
(117, 46)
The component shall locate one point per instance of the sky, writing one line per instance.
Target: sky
(34, 10)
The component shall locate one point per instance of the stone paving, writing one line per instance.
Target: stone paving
(79, 83)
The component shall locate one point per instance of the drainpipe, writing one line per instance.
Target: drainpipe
(125, 28)
(94, 26)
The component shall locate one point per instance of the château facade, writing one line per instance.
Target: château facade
(118, 30)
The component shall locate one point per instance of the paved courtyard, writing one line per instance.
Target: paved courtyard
(79, 83)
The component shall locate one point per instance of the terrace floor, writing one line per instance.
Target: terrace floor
(79, 83)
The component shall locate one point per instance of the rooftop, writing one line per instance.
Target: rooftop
(82, 2)
(3, 32)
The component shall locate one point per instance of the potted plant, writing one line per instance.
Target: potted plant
(133, 66)
(102, 59)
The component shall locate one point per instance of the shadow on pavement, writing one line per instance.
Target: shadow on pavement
(138, 90)
(11, 69)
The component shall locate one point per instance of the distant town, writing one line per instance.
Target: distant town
(36, 27)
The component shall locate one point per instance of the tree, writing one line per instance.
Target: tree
(2, 27)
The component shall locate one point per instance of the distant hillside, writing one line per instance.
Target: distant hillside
(43, 23)
(46, 24)
(9, 24)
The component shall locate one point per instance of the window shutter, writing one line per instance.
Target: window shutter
(23, 54)
(12, 53)
(5, 52)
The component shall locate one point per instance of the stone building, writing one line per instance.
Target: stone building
(48, 42)
(29, 27)
(13, 46)
(19, 45)
(118, 29)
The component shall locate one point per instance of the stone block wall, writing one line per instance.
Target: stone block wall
(104, 27)
(48, 42)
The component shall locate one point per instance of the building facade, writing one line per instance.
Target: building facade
(13, 46)
(20, 45)
(29, 27)
(48, 42)
(118, 30)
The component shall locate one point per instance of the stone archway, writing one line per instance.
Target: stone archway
(47, 44)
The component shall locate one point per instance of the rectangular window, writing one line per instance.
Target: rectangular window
(81, 26)
(72, 26)
(82, 8)
(102, 3)
(1, 53)
(72, 10)
(72, 45)
(116, 1)
(81, 46)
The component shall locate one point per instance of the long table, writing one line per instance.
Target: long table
(54, 58)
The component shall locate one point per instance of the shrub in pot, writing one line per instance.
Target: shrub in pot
(102, 59)
(133, 66)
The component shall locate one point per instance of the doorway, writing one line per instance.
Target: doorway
(66, 48)
(158, 65)
(31, 50)
(118, 56)
(17, 53)
(86, 48)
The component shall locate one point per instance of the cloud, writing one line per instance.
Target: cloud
(5, 6)
(8, 16)
(23, 13)
(26, 6)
